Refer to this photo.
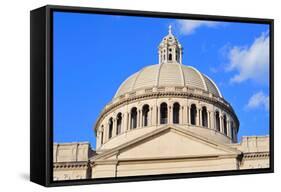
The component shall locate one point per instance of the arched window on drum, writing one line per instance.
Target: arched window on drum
(217, 117)
(176, 113)
(204, 117)
(110, 128)
(119, 123)
(145, 110)
(163, 113)
(193, 114)
(133, 120)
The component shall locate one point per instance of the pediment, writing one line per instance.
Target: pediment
(168, 142)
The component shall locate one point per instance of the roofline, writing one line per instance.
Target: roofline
(214, 85)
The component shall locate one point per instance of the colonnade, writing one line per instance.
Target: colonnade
(146, 115)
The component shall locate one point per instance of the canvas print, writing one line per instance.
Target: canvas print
(144, 96)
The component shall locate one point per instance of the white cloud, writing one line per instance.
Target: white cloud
(188, 27)
(252, 62)
(258, 100)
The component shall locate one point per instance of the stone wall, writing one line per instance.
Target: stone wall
(71, 160)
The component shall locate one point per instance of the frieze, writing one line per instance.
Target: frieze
(256, 155)
(72, 165)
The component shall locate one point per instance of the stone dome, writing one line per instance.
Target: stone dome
(167, 94)
(168, 75)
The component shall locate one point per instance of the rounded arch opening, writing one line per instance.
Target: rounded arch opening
(133, 120)
(110, 129)
(163, 113)
(176, 113)
(193, 114)
(145, 110)
(119, 123)
(217, 117)
(170, 57)
(204, 117)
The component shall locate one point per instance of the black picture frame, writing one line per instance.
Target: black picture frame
(41, 101)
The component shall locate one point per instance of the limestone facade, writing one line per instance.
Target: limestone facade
(154, 154)
(166, 118)
(71, 161)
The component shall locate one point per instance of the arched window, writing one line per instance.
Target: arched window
(176, 113)
(110, 124)
(145, 110)
(204, 117)
(119, 123)
(224, 125)
(193, 114)
(170, 57)
(163, 113)
(218, 128)
(134, 114)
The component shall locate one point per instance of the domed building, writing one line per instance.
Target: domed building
(166, 118)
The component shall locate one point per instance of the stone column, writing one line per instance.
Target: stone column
(170, 115)
(209, 119)
(188, 115)
(181, 115)
(154, 115)
(98, 138)
(197, 116)
(138, 118)
(114, 127)
(106, 128)
(129, 121)
(184, 114)
(221, 124)
(151, 116)
(180, 57)
(213, 117)
(158, 116)
(228, 128)
(124, 122)
(200, 118)
(141, 119)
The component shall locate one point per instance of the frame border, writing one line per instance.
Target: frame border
(41, 114)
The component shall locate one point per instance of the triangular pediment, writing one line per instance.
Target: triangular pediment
(168, 142)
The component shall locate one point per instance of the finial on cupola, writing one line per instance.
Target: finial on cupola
(170, 29)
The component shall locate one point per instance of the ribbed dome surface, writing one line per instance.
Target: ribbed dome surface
(167, 75)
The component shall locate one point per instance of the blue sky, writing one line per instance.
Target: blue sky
(94, 54)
